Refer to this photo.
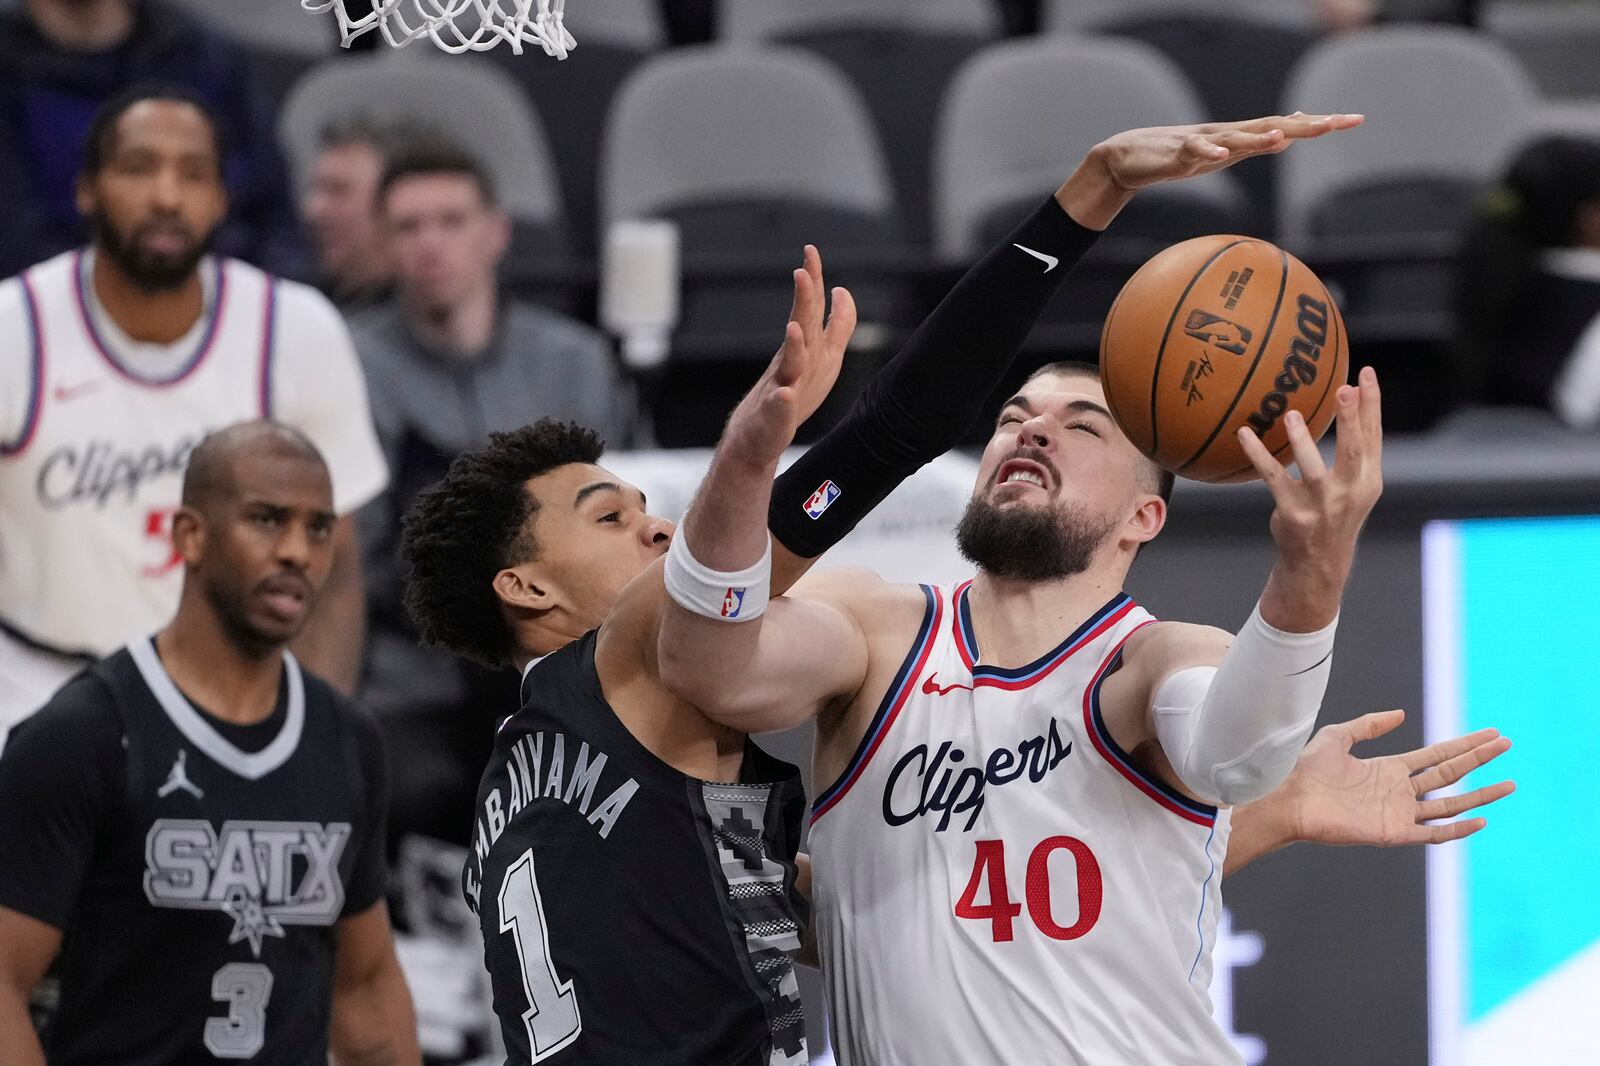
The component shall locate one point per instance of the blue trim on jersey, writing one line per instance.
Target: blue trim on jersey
(901, 679)
(1199, 918)
(1127, 763)
(1049, 658)
(36, 392)
(268, 335)
(201, 349)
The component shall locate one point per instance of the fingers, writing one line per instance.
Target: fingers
(1443, 834)
(1200, 149)
(1306, 455)
(1450, 806)
(1433, 754)
(1371, 413)
(790, 362)
(1241, 144)
(1370, 726)
(1347, 447)
(1452, 770)
(841, 320)
(1269, 469)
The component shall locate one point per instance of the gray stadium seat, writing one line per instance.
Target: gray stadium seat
(269, 25)
(1444, 108)
(899, 54)
(474, 104)
(758, 20)
(752, 152)
(1021, 114)
(1557, 40)
(632, 24)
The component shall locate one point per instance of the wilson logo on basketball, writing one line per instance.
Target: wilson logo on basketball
(1299, 366)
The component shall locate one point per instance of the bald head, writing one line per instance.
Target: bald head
(215, 465)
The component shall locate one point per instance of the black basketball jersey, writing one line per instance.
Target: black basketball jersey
(632, 914)
(198, 891)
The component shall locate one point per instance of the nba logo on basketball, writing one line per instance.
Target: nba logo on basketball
(733, 603)
(822, 499)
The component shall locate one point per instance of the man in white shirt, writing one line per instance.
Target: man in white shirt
(115, 360)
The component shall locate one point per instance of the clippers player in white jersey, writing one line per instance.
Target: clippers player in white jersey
(115, 360)
(529, 552)
(195, 825)
(1018, 857)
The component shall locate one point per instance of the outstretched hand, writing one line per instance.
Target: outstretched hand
(1338, 798)
(803, 372)
(1119, 166)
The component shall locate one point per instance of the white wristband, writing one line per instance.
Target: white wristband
(738, 596)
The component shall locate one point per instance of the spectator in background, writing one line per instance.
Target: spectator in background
(340, 210)
(63, 59)
(115, 360)
(1528, 283)
(449, 360)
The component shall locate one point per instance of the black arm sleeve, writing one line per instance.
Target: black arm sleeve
(61, 772)
(922, 403)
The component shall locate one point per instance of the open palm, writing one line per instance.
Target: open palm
(1339, 798)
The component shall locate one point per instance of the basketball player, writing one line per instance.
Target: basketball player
(632, 909)
(195, 823)
(117, 359)
(1029, 736)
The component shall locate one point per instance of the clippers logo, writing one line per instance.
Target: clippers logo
(822, 499)
(1213, 329)
(733, 602)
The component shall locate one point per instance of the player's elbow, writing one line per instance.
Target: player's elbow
(1234, 777)
(694, 676)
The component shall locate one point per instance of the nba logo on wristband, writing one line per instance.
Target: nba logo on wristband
(822, 499)
(733, 602)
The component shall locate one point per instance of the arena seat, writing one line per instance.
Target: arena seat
(1557, 40)
(472, 103)
(271, 26)
(1006, 142)
(899, 54)
(1237, 65)
(753, 152)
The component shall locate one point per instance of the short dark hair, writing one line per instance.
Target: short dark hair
(209, 476)
(436, 155)
(1162, 479)
(100, 142)
(469, 526)
(389, 136)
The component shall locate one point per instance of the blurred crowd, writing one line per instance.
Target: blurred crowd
(472, 303)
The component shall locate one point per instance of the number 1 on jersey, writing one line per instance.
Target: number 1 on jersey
(1001, 911)
(552, 1018)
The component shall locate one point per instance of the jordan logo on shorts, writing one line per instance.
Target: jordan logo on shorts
(178, 780)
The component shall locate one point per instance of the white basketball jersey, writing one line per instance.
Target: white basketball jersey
(997, 882)
(86, 560)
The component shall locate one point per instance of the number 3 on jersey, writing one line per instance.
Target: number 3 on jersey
(1001, 911)
(552, 1017)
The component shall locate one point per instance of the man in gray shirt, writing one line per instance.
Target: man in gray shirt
(450, 360)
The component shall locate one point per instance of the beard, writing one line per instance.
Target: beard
(150, 271)
(1030, 544)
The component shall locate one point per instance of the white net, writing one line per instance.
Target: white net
(455, 25)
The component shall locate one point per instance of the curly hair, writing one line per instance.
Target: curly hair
(471, 525)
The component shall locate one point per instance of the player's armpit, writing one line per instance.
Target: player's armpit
(27, 946)
(374, 1023)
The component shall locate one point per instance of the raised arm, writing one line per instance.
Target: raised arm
(923, 402)
(1232, 716)
(748, 663)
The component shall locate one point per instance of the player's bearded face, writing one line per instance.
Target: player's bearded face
(157, 254)
(1030, 543)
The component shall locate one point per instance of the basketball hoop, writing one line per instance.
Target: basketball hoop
(515, 22)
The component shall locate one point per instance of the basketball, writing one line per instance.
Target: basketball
(1216, 333)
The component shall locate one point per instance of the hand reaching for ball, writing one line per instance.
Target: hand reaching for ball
(1118, 167)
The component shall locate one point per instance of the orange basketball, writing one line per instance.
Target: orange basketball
(1217, 333)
